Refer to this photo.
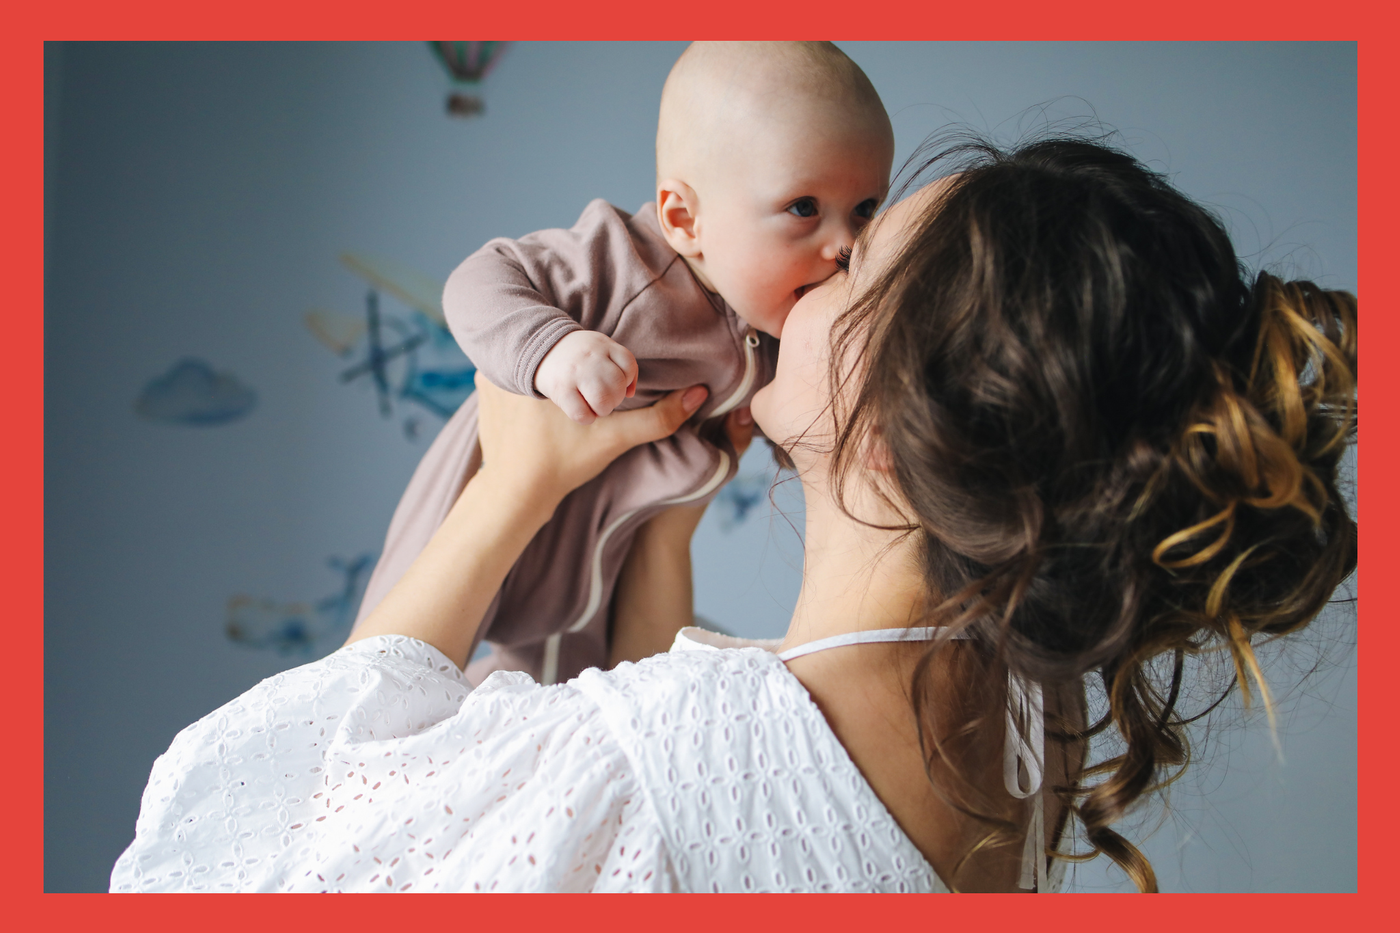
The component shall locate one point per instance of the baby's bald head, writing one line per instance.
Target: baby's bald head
(770, 159)
(721, 95)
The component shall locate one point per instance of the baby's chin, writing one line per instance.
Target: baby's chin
(769, 312)
(774, 330)
(769, 322)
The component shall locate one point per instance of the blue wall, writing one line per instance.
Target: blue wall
(199, 196)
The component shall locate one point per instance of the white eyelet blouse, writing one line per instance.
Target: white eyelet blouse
(378, 768)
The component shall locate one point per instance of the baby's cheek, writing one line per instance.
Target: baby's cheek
(780, 284)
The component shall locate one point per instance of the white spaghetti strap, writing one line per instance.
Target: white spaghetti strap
(927, 633)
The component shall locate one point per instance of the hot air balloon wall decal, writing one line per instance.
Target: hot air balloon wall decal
(467, 63)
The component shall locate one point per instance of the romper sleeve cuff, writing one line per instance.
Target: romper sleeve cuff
(537, 348)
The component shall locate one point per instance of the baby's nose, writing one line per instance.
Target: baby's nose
(834, 244)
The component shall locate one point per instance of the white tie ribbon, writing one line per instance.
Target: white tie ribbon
(1024, 750)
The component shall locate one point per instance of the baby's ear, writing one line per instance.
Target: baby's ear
(677, 207)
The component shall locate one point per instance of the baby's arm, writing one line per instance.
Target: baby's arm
(587, 375)
(552, 295)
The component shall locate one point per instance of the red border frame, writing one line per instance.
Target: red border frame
(21, 862)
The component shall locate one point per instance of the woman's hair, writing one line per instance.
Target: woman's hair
(1117, 450)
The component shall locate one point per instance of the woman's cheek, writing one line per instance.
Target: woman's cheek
(772, 410)
(790, 405)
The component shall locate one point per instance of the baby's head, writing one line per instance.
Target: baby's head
(770, 158)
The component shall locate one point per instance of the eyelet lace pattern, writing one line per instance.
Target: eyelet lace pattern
(378, 768)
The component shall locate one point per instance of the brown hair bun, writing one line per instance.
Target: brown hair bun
(1113, 446)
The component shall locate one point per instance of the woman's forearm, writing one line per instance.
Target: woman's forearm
(443, 596)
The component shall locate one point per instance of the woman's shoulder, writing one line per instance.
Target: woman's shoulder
(752, 789)
(702, 669)
(381, 756)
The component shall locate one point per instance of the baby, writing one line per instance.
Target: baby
(770, 158)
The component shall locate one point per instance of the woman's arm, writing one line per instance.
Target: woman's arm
(655, 591)
(534, 455)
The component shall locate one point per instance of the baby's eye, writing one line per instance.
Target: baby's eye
(803, 207)
(843, 259)
(866, 209)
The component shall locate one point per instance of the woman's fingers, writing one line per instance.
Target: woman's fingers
(641, 425)
(534, 448)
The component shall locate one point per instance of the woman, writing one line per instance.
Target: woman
(1044, 430)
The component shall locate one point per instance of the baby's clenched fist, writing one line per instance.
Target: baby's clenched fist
(587, 374)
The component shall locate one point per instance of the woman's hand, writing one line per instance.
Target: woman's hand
(534, 456)
(532, 449)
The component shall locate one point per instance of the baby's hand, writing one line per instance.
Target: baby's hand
(587, 374)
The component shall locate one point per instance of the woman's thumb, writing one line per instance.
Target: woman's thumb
(660, 420)
(691, 400)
